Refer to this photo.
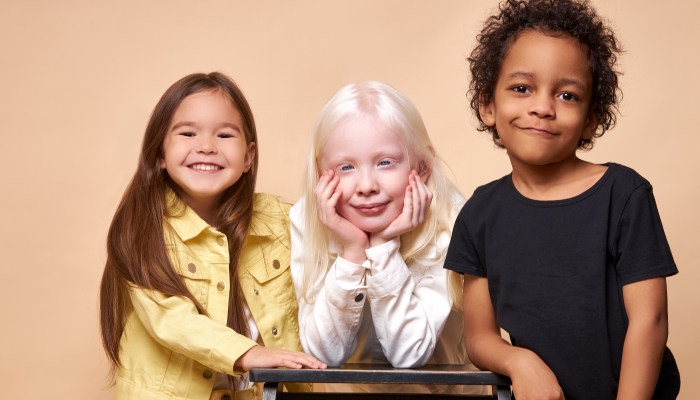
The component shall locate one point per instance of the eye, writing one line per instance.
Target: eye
(225, 135)
(385, 162)
(520, 89)
(346, 167)
(566, 96)
(186, 134)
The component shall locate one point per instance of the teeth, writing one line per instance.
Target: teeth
(205, 167)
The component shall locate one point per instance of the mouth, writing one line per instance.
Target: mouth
(538, 131)
(205, 167)
(370, 209)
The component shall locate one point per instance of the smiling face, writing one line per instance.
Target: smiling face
(540, 104)
(205, 149)
(373, 168)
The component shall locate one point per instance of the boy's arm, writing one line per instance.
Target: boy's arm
(531, 377)
(647, 311)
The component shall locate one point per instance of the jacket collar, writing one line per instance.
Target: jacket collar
(185, 222)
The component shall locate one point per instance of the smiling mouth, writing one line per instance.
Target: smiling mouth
(370, 209)
(539, 131)
(205, 167)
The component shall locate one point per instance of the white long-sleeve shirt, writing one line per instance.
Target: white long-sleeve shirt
(382, 311)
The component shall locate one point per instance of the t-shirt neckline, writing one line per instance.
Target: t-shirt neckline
(563, 202)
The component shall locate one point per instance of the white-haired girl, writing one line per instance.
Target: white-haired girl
(369, 239)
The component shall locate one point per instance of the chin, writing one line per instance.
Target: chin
(371, 227)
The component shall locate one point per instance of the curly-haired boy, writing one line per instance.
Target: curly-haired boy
(568, 257)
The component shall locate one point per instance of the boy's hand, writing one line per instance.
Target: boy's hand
(533, 380)
(353, 239)
(267, 357)
(415, 208)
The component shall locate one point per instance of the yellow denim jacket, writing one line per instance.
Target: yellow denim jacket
(169, 350)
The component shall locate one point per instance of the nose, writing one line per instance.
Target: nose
(206, 145)
(542, 106)
(367, 183)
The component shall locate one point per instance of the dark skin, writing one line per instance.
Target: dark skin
(541, 109)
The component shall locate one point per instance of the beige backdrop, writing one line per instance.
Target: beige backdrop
(80, 78)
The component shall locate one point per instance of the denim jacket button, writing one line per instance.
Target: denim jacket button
(255, 291)
(274, 331)
(220, 241)
(192, 268)
(221, 286)
(207, 374)
(276, 264)
(359, 297)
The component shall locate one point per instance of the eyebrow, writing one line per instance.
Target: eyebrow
(194, 125)
(562, 81)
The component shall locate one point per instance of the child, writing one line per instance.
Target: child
(197, 264)
(567, 256)
(367, 244)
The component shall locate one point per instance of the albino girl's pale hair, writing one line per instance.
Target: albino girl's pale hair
(393, 110)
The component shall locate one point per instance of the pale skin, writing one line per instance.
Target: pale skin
(417, 201)
(541, 109)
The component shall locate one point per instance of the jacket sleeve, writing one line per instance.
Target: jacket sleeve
(330, 313)
(408, 314)
(175, 323)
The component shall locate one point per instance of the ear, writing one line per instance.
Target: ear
(249, 156)
(161, 163)
(424, 170)
(590, 125)
(487, 112)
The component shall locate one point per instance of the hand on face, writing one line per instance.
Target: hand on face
(415, 208)
(353, 239)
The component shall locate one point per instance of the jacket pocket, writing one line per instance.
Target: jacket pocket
(195, 274)
(264, 259)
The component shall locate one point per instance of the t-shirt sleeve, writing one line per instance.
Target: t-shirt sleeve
(462, 254)
(642, 249)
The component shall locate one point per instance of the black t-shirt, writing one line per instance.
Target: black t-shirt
(556, 269)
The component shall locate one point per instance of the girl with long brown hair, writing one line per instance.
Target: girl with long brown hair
(197, 276)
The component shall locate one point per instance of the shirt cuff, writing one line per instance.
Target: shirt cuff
(350, 298)
(380, 256)
(349, 275)
(389, 271)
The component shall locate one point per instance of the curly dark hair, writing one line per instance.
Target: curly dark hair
(575, 18)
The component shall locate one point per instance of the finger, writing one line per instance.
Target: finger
(333, 200)
(426, 197)
(416, 199)
(407, 213)
(321, 184)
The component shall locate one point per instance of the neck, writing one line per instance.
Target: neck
(556, 181)
(206, 209)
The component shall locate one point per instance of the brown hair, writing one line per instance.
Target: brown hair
(136, 252)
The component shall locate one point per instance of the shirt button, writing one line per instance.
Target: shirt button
(192, 268)
(207, 374)
(276, 264)
(220, 286)
(274, 331)
(359, 297)
(220, 241)
(255, 291)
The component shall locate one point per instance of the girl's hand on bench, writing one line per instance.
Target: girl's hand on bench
(270, 357)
